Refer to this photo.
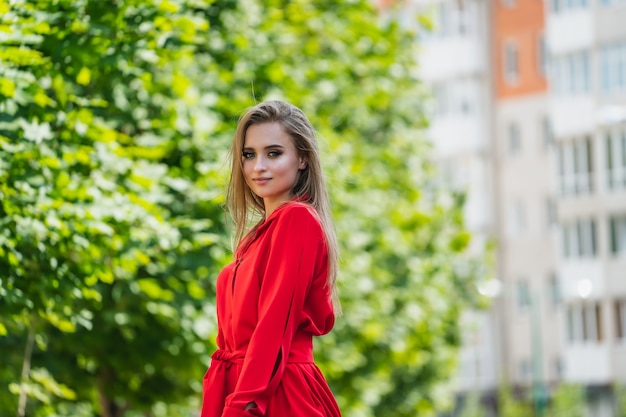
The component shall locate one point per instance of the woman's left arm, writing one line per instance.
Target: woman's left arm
(297, 241)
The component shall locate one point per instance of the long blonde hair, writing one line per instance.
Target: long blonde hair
(245, 206)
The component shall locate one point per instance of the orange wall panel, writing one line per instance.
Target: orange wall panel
(522, 24)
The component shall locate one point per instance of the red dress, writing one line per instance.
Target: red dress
(270, 303)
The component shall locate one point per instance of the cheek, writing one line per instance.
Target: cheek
(246, 167)
(288, 166)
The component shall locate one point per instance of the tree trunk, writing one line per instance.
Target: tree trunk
(28, 354)
(108, 406)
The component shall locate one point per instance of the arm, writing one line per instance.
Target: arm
(296, 243)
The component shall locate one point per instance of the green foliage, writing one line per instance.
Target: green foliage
(512, 406)
(105, 233)
(568, 400)
(471, 406)
(620, 396)
(115, 118)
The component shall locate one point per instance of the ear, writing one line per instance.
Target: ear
(303, 163)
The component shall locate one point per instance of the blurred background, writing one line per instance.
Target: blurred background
(530, 118)
(475, 152)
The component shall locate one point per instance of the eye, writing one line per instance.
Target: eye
(247, 154)
(274, 154)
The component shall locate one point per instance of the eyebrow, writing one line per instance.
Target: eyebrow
(248, 148)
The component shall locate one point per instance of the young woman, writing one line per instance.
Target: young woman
(280, 290)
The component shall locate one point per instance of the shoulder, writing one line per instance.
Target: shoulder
(299, 209)
(298, 214)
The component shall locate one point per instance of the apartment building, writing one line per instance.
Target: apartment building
(530, 119)
(455, 62)
(524, 197)
(586, 41)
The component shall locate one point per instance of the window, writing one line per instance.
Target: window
(570, 74)
(617, 226)
(515, 142)
(557, 364)
(613, 68)
(542, 62)
(584, 323)
(525, 370)
(441, 94)
(464, 94)
(554, 290)
(452, 19)
(579, 239)
(620, 319)
(546, 133)
(575, 167)
(465, 18)
(587, 245)
(443, 19)
(611, 2)
(579, 72)
(550, 212)
(558, 6)
(517, 218)
(567, 241)
(511, 70)
(594, 322)
(616, 159)
(574, 324)
(455, 98)
(523, 294)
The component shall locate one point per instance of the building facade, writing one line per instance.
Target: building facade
(455, 62)
(586, 42)
(530, 118)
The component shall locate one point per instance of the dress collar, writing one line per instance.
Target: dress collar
(258, 229)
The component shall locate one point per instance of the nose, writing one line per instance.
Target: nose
(260, 164)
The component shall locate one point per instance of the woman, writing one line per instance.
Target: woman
(280, 290)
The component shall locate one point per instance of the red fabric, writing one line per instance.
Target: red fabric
(270, 303)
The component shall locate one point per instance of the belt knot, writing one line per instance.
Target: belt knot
(227, 356)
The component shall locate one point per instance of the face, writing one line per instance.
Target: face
(270, 163)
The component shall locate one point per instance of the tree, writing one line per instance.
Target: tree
(620, 396)
(115, 120)
(471, 406)
(104, 261)
(568, 400)
(511, 406)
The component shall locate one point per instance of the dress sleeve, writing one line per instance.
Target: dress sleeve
(297, 241)
(222, 279)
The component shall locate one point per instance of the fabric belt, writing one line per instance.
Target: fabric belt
(227, 356)
(301, 352)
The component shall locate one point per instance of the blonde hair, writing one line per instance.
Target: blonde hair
(245, 206)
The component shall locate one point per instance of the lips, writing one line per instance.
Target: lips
(262, 180)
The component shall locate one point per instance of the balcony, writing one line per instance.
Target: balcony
(570, 31)
(616, 284)
(582, 278)
(458, 134)
(619, 357)
(575, 184)
(573, 115)
(451, 57)
(617, 179)
(588, 363)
